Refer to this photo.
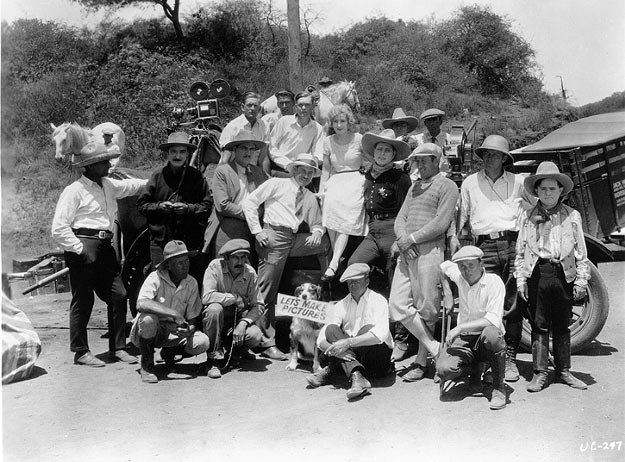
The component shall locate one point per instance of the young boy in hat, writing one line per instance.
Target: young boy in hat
(176, 203)
(83, 227)
(478, 336)
(402, 125)
(169, 309)
(287, 204)
(551, 270)
(357, 337)
(232, 304)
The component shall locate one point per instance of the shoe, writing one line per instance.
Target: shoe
(169, 356)
(539, 381)
(124, 356)
(244, 353)
(400, 351)
(147, 376)
(416, 373)
(319, 378)
(512, 372)
(328, 275)
(359, 387)
(89, 360)
(274, 353)
(217, 355)
(569, 379)
(214, 372)
(498, 399)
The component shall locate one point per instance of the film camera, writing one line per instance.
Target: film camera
(207, 98)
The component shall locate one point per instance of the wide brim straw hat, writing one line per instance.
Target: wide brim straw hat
(550, 170)
(175, 249)
(369, 140)
(306, 160)
(177, 139)
(244, 137)
(92, 153)
(496, 143)
(400, 116)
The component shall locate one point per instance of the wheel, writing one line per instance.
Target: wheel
(588, 318)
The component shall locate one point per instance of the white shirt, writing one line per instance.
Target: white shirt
(84, 204)
(240, 124)
(484, 299)
(492, 206)
(278, 195)
(243, 185)
(372, 308)
(289, 138)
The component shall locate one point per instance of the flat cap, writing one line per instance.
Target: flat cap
(426, 149)
(235, 246)
(432, 112)
(108, 131)
(355, 271)
(469, 252)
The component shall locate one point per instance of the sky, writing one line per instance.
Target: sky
(583, 41)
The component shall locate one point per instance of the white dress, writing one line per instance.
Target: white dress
(343, 200)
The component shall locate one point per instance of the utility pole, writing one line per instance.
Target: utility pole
(296, 80)
(562, 87)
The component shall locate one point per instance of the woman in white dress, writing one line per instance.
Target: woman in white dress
(342, 184)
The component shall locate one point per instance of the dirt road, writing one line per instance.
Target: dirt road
(265, 413)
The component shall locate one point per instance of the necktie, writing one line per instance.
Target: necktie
(299, 204)
(249, 177)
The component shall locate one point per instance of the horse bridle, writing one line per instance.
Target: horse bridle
(351, 90)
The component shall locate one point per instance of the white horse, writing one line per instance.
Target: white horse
(328, 97)
(69, 138)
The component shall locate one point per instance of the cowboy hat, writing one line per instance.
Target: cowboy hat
(325, 79)
(496, 143)
(92, 153)
(432, 112)
(109, 131)
(241, 138)
(307, 160)
(548, 170)
(175, 249)
(400, 116)
(177, 139)
(369, 140)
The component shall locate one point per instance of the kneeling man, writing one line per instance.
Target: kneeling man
(357, 338)
(479, 335)
(169, 308)
(232, 304)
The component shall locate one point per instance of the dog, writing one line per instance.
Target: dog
(304, 333)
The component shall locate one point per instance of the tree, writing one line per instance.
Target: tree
(172, 12)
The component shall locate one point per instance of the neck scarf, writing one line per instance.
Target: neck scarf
(377, 170)
(543, 215)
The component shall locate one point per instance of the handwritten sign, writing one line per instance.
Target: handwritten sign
(313, 310)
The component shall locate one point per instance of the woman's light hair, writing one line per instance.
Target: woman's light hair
(342, 109)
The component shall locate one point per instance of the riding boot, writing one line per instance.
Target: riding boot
(498, 367)
(146, 347)
(540, 357)
(562, 360)
(513, 339)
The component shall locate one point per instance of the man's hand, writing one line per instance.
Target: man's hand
(451, 335)
(180, 208)
(238, 335)
(523, 291)
(404, 243)
(394, 251)
(263, 238)
(314, 240)
(579, 293)
(338, 348)
(239, 302)
(185, 330)
(166, 206)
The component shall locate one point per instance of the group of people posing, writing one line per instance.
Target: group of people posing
(284, 189)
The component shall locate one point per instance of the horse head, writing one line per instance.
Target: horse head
(351, 97)
(59, 136)
(69, 138)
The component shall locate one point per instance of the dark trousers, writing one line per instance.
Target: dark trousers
(499, 259)
(233, 228)
(467, 349)
(373, 360)
(97, 270)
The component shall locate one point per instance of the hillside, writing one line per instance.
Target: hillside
(135, 74)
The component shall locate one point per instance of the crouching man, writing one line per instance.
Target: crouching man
(479, 334)
(232, 304)
(169, 308)
(357, 338)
